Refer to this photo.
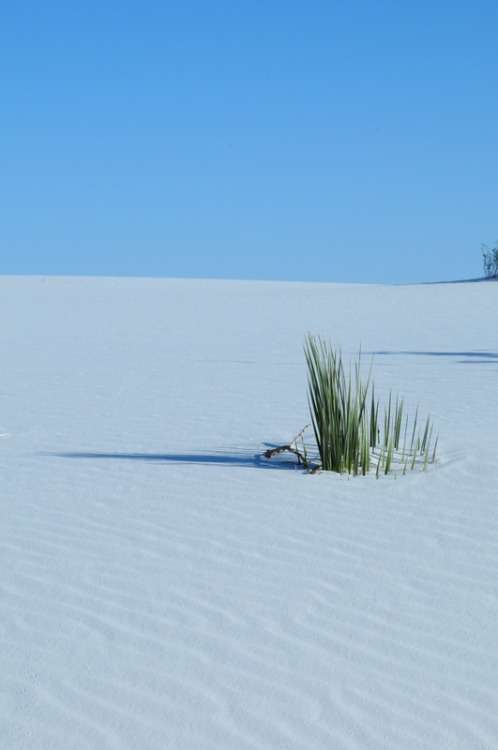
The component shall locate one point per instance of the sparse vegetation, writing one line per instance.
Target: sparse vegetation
(349, 433)
(490, 261)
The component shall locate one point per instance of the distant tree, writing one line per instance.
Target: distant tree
(490, 261)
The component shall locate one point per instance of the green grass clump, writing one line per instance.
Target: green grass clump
(345, 419)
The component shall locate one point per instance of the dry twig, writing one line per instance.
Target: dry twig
(291, 448)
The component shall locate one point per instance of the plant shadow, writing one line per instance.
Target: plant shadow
(465, 358)
(245, 459)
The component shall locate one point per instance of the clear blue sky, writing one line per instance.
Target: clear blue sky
(257, 139)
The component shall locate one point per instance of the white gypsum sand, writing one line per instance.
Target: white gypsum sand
(163, 586)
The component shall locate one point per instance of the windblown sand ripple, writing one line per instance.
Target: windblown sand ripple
(162, 586)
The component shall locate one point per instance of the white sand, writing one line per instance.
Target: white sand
(162, 586)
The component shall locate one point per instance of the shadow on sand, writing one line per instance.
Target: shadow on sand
(466, 358)
(213, 458)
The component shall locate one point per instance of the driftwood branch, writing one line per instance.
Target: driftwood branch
(300, 434)
(291, 448)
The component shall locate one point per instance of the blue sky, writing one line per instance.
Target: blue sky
(313, 141)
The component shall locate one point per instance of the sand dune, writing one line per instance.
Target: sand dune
(163, 586)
